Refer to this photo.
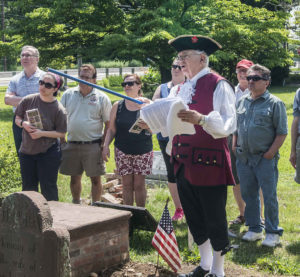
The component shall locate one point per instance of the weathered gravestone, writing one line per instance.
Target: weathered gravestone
(29, 245)
(159, 170)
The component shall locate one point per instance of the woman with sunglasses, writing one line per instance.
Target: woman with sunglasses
(162, 92)
(44, 122)
(133, 150)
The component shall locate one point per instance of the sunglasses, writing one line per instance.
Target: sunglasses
(130, 84)
(47, 85)
(256, 78)
(175, 66)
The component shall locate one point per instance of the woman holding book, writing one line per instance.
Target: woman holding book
(44, 122)
(133, 145)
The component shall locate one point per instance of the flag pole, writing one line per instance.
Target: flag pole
(93, 85)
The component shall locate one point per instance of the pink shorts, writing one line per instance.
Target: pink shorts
(133, 164)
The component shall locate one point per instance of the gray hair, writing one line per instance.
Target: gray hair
(264, 71)
(205, 55)
(35, 51)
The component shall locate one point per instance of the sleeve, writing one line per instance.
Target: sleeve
(61, 120)
(106, 108)
(63, 99)
(21, 108)
(221, 122)
(280, 118)
(296, 105)
(11, 87)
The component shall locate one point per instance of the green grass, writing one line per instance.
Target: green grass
(283, 260)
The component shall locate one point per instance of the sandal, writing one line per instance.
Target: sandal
(239, 220)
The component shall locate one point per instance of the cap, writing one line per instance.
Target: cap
(244, 63)
(195, 42)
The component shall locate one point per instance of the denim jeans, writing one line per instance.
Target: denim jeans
(265, 176)
(41, 168)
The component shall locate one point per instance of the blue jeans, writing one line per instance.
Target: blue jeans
(41, 168)
(265, 176)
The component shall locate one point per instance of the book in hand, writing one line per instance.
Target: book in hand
(135, 128)
(34, 118)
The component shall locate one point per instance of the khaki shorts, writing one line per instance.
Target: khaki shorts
(297, 175)
(77, 158)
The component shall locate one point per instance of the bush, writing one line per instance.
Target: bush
(151, 80)
(10, 177)
(115, 80)
(293, 79)
(113, 64)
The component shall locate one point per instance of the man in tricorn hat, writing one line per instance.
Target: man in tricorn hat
(202, 161)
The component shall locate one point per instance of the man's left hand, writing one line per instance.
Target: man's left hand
(190, 116)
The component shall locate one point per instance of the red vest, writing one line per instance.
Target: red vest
(206, 160)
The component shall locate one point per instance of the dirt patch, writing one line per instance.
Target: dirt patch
(135, 269)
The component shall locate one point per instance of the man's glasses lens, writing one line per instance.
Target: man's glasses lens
(47, 85)
(124, 84)
(255, 78)
(174, 66)
(26, 56)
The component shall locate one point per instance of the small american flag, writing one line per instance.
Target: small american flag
(164, 241)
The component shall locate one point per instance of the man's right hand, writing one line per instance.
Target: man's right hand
(293, 159)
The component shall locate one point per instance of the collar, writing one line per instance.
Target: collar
(37, 73)
(77, 90)
(200, 74)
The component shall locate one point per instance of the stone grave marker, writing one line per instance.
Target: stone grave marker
(159, 170)
(29, 245)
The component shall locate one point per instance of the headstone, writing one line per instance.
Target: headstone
(29, 245)
(159, 170)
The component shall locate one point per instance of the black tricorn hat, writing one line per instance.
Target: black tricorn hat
(195, 42)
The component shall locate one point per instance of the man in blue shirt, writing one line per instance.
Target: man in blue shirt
(261, 130)
(22, 84)
(295, 133)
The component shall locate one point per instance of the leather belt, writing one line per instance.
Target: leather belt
(86, 142)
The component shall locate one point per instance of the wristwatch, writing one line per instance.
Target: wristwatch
(21, 124)
(202, 120)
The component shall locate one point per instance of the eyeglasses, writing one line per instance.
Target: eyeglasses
(27, 56)
(130, 84)
(85, 77)
(175, 66)
(255, 78)
(183, 57)
(47, 85)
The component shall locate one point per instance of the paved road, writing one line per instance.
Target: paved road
(101, 73)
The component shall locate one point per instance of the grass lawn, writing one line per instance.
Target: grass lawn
(283, 260)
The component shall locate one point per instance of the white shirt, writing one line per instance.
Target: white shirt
(221, 122)
(239, 93)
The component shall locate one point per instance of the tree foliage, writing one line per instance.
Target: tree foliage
(140, 29)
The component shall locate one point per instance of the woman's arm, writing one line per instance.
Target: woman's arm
(111, 132)
(37, 133)
(24, 124)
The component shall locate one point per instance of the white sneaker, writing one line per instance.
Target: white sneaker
(252, 236)
(271, 240)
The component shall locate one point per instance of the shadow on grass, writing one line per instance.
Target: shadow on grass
(249, 252)
(6, 115)
(294, 249)
(141, 241)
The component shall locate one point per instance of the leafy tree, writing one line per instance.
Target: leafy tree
(64, 29)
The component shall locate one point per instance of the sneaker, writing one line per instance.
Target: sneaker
(271, 240)
(211, 275)
(252, 236)
(178, 214)
(197, 272)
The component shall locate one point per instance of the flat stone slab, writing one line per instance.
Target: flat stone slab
(82, 221)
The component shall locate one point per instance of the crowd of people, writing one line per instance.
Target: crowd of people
(238, 133)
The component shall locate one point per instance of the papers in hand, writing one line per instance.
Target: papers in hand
(34, 118)
(135, 128)
(161, 117)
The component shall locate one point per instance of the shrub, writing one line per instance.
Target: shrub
(115, 80)
(293, 79)
(151, 80)
(116, 63)
(10, 177)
